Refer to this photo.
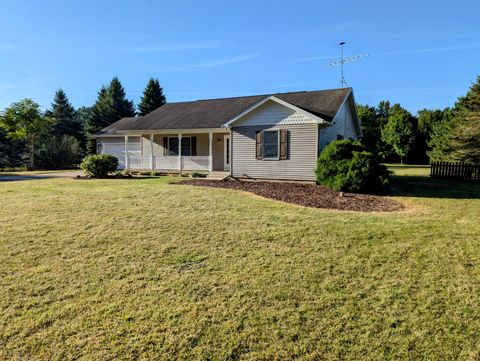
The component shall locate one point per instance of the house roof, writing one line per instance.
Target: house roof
(214, 113)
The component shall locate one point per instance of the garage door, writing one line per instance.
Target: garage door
(116, 149)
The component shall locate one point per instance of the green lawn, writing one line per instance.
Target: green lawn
(410, 170)
(141, 269)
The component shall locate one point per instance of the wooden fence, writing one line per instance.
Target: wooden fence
(455, 170)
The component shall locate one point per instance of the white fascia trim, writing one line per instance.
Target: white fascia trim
(138, 133)
(358, 125)
(340, 107)
(279, 101)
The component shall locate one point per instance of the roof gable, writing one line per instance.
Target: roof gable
(215, 113)
(273, 111)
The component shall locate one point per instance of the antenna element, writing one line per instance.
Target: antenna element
(342, 60)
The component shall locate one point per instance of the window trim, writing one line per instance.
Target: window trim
(278, 145)
(176, 155)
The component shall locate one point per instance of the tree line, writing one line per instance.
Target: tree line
(450, 134)
(60, 136)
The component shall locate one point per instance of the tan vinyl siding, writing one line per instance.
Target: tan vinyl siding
(299, 165)
(343, 124)
(157, 145)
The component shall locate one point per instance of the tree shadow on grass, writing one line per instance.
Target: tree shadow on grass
(426, 187)
(16, 178)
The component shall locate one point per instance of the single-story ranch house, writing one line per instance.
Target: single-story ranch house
(275, 136)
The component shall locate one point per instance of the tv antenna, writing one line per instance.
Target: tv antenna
(343, 60)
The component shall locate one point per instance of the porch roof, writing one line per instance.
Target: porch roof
(214, 113)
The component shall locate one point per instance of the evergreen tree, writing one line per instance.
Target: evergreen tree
(429, 122)
(65, 117)
(466, 133)
(441, 134)
(83, 114)
(370, 126)
(152, 98)
(13, 152)
(111, 106)
(122, 107)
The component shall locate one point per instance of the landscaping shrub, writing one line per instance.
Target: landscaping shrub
(197, 175)
(99, 165)
(62, 152)
(348, 166)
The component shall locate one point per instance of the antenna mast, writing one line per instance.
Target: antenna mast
(342, 60)
(343, 82)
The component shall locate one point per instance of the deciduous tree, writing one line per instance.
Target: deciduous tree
(23, 120)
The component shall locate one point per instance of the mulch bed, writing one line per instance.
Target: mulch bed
(308, 195)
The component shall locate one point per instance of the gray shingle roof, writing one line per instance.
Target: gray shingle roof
(213, 113)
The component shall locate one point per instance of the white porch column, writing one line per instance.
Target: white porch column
(126, 152)
(210, 152)
(180, 151)
(151, 152)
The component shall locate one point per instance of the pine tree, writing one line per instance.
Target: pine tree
(122, 107)
(65, 117)
(111, 106)
(152, 98)
(441, 134)
(466, 132)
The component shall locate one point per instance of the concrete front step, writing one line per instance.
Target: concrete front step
(217, 175)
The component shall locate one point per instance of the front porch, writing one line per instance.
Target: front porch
(170, 152)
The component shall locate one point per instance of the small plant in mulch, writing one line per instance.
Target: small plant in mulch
(197, 175)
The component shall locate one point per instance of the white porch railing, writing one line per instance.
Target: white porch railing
(169, 162)
(134, 158)
(165, 162)
(196, 162)
(138, 162)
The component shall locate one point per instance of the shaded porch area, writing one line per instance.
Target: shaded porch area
(176, 152)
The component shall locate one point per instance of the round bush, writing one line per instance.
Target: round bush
(348, 166)
(99, 165)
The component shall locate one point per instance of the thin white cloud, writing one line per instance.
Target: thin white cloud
(204, 65)
(168, 47)
(404, 52)
(320, 57)
(432, 50)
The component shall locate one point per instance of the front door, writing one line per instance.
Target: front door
(226, 152)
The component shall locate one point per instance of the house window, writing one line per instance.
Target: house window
(270, 144)
(186, 146)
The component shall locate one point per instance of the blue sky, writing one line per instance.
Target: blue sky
(423, 53)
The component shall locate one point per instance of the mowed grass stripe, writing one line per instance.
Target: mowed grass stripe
(109, 269)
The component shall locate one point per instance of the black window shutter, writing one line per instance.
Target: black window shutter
(193, 145)
(165, 146)
(283, 144)
(259, 145)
